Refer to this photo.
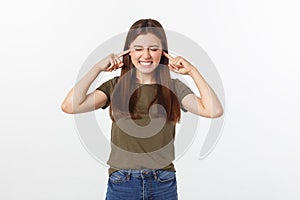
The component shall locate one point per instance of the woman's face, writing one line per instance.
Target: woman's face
(146, 51)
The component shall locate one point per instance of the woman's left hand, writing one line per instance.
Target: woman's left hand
(179, 65)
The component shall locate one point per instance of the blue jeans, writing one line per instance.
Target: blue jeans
(144, 184)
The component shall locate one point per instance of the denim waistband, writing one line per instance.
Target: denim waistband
(141, 173)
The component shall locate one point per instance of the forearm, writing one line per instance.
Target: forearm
(209, 100)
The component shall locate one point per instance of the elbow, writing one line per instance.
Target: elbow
(217, 113)
(67, 108)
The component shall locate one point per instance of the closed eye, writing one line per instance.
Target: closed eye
(138, 49)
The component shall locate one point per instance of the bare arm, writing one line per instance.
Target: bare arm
(208, 105)
(77, 100)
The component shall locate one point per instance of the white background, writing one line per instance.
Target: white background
(254, 45)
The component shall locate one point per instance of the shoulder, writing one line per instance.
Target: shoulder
(109, 84)
(178, 83)
(111, 81)
(181, 88)
(114, 80)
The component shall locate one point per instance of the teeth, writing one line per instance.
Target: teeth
(145, 63)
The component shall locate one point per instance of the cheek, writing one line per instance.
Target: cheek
(134, 56)
(156, 55)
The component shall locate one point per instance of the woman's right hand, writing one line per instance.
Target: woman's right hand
(77, 100)
(111, 62)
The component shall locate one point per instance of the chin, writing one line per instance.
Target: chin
(145, 71)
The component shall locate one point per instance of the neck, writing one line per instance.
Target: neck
(145, 78)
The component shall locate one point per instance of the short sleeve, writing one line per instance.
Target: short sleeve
(108, 87)
(181, 90)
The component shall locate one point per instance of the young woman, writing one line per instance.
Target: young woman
(144, 106)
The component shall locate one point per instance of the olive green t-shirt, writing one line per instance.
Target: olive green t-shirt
(147, 142)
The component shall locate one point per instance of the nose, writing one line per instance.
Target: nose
(146, 54)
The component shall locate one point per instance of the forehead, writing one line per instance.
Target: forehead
(148, 39)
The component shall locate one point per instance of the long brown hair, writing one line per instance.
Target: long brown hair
(125, 95)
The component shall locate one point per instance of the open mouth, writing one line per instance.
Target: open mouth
(145, 63)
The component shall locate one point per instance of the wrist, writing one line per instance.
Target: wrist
(98, 68)
(192, 72)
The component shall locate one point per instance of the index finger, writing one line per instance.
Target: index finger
(124, 53)
(167, 55)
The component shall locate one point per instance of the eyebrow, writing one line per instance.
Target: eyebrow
(140, 46)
